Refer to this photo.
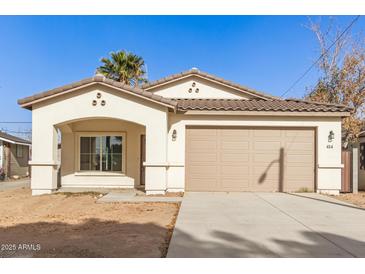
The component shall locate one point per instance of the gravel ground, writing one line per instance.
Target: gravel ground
(74, 225)
(356, 199)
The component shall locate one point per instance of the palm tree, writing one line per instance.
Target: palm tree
(125, 67)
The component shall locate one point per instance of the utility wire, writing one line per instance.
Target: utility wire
(321, 56)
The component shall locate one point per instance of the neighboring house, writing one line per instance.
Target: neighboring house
(188, 132)
(14, 155)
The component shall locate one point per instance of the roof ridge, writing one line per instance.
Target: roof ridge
(209, 76)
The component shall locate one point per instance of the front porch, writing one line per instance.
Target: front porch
(101, 153)
(100, 124)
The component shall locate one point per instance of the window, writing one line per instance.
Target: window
(19, 151)
(101, 153)
(362, 156)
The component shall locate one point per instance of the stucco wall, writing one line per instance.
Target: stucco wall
(70, 175)
(180, 89)
(77, 105)
(19, 165)
(362, 171)
(328, 159)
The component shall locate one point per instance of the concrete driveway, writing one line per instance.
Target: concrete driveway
(267, 225)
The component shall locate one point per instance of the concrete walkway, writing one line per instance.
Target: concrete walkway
(267, 225)
(14, 184)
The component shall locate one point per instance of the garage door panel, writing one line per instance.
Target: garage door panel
(234, 170)
(299, 133)
(235, 158)
(266, 158)
(267, 145)
(266, 132)
(231, 145)
(234, 184)
(197, 157)
(243, 159)
(299, 158)
(202, 145)
(299, 146)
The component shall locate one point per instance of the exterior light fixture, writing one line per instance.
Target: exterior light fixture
(174, 135)
(331, 136)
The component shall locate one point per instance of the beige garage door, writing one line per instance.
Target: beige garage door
(245, 159)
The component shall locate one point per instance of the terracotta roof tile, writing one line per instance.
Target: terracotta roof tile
(288, 105)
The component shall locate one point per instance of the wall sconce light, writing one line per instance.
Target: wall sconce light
(331, 136)
(174, 135)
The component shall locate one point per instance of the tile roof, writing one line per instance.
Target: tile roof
(97, 79)
(264, 104)
(197, 72)
(12, 138)
(288, 105)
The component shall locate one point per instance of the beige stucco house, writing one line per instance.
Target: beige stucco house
(14, 155)
(188, 132)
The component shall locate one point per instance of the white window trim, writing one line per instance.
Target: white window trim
(78, 136)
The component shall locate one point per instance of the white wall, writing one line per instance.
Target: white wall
(56, 112)
(180, 89)
(328, 159)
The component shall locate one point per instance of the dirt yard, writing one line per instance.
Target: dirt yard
(356, 199)
(64, 225)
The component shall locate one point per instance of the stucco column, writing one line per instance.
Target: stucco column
(156, 156)
(329, 158)
(44, 157)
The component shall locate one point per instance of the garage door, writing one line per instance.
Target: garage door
(249, 159)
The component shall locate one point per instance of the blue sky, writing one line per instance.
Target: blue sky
(266, 53)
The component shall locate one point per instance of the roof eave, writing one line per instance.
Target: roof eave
(264, 113)
(14, 142)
